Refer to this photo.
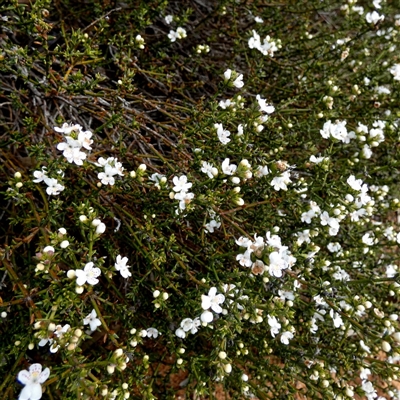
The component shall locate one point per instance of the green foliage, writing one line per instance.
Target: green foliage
(288, 222)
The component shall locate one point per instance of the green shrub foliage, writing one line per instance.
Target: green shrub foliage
(199, 195)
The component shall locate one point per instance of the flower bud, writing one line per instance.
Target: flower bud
(156, 293)
(222, 355)
(110, 368)
(228, 368)
(17, 175)
(79, 289)
(71, 274)
(118, 353)
(386, 346)
(64, 244)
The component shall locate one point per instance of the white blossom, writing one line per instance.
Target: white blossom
(32, 380)
(92, 320)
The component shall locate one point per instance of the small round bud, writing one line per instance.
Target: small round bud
(142, 167)
(222, 355)
(83, 218)
(31, 346)
(165, 295)
(19, 185)
(3, 314)
(386, 346)
(79, 289)
(132, 174)
(96, 222)
(71, 346)
(124, 386)
(228, 368)
(71, 274)
(179, 361)
(18, 175)
(118, 353)
(78, 333)
(181, 350)
(64, 244)
(245, 378)
(110, 368)
(156, 293)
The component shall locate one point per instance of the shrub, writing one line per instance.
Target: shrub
(202, 193)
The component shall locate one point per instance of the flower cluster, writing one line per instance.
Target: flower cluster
(233, 78)
(262, 255)
(267, 48)
(181, 193)
(53, 187)
(180, 33)
(111, 167)
(75, 139)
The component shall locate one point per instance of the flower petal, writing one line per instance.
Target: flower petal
(24, 377)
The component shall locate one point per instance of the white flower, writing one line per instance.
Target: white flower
(67, 129)
(317, 160)
(267, 108)
(355, 184)
(228, 169)
(368, 239)
(212, 300)
(89, 274)
(181, 184)
(184, 198)
(286, 336)
(120, 265)
(336, 130)
(223, 134)
(274, 324)
(152, 332)
(244, 259)
(395, 71)
(238, 79)
(227, 74)
(368, 350)
(337, 319)
(191, 325)
(213, 224)
(92, 320)
(373, 17)
(181, 33)
(53, 187)
(84, 139)
(32, 380)
(281, 181)
(107, 177)
(40, 175)
(209, 169)
(259, 20)
(168, 19)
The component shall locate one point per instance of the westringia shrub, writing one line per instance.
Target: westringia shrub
(199, 195)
